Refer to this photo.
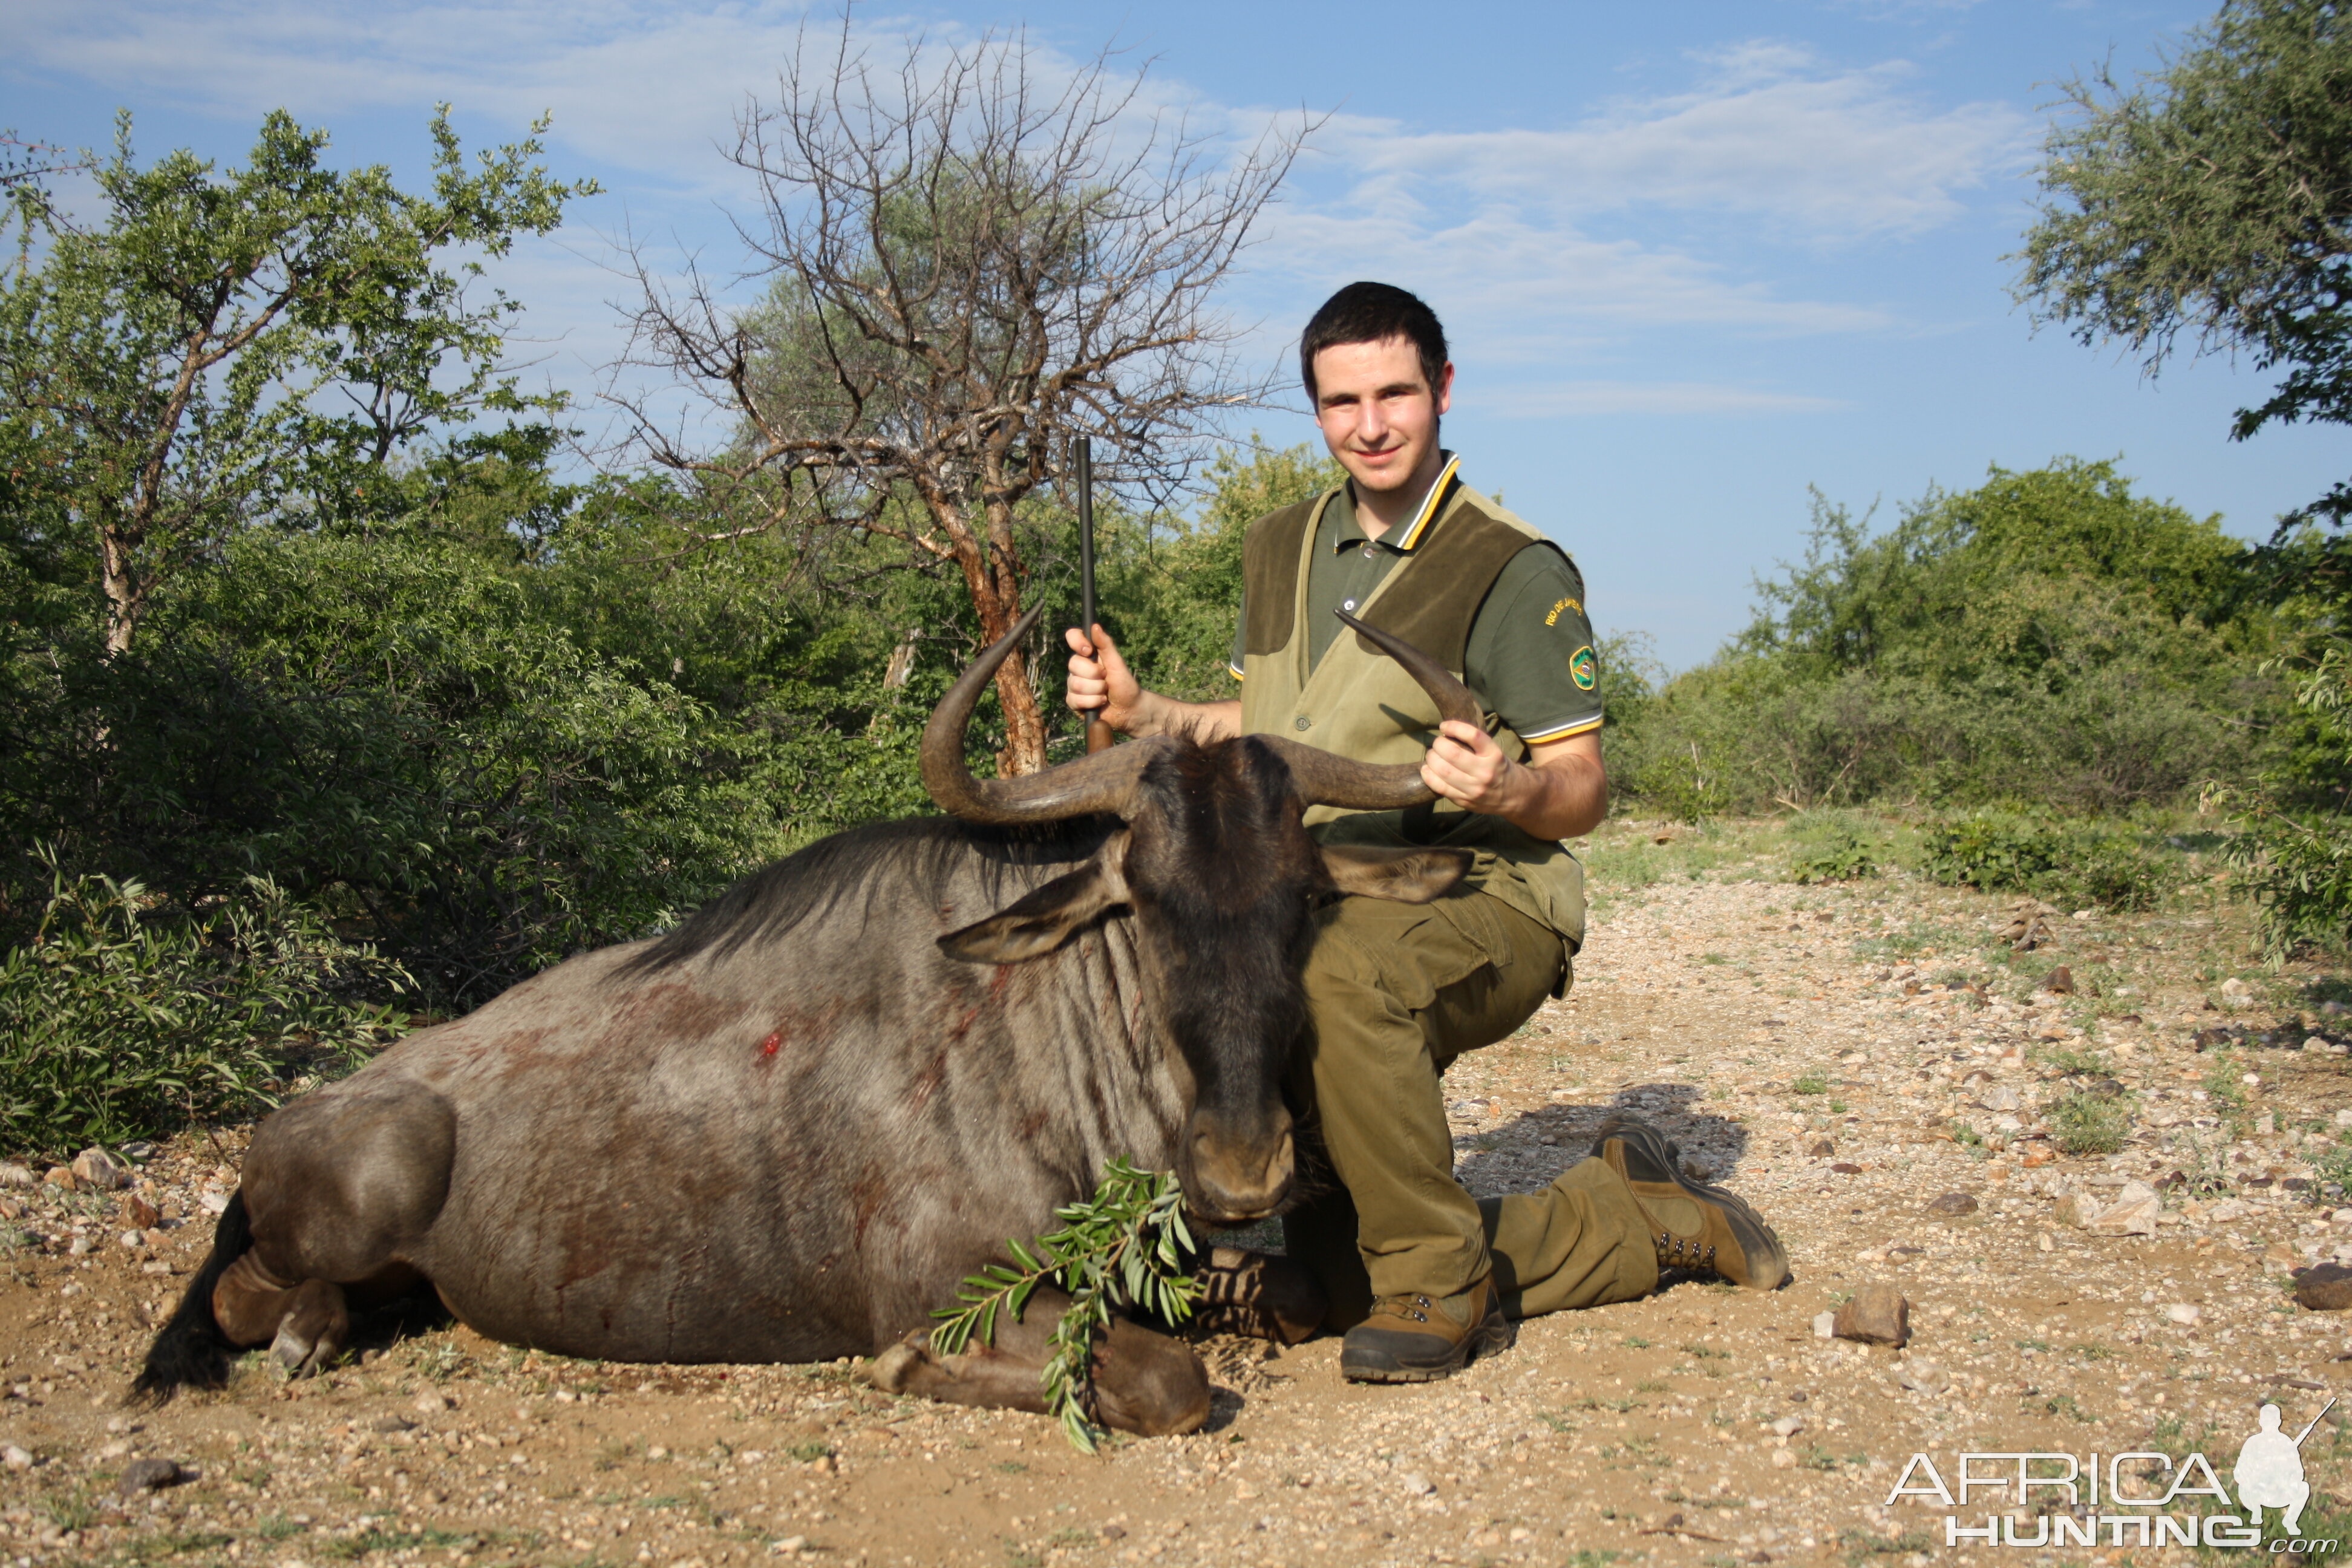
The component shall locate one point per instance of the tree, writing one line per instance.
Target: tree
(168, 374)
(2213, 200)
(970, 264)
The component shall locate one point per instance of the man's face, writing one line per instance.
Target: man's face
(1378, 414)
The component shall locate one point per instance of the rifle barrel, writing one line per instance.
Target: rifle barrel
(1087, 530)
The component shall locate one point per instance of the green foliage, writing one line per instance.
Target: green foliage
(1810, 1083)
(2048, 635)
(1834, 852)
(2087, 1123)
(118, 1020)
(407, 737)
(2087, 863)
(2209, 199)
(1123, 1247)
(179, 369)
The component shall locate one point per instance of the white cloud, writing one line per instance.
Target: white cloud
(1765, 134)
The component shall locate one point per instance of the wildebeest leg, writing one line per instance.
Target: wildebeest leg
(1259, 1294)
(1145, 1382)
(306, 1324)
(338, 1186)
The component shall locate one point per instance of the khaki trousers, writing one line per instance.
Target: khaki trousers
(1397, 992)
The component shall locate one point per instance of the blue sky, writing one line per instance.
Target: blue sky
(1694, 258)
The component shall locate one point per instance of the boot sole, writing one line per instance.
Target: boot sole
(1491, 1337)
(1760, 1244)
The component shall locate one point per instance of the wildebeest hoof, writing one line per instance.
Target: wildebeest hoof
(297, 1355)
(1258, 1295)
(893, 1372)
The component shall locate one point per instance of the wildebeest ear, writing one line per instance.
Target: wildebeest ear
(1044, 920)
(1408, 876)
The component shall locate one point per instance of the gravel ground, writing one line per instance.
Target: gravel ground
(1806, 1045)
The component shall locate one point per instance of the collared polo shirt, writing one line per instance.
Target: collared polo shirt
(1529, 657)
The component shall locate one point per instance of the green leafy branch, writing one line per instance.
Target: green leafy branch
(1122, 1248)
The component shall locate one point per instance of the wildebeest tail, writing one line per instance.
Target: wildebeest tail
(191, 1352)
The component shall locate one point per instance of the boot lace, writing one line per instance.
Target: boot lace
(1415, 1308)
(1678, 1252)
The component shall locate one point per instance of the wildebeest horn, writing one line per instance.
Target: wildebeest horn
(1326, 778)
(1099, 783)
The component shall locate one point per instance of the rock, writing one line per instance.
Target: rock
(58, 1176)
(1923, 1377)
(2004, 1098)
(791, 1545)
(149, 1476)
(1821, 1148)
(213, 1203)
(1953, 1204)
(2041, 1154)
(2058, 982)
(2324, 1288)
(16, 1458)
(1788, 1426)
(2182, 1312)
(1782, 1459)
(2236, 993)
(1825, 1325)
(97, 1168)
(1417, 1483)
(2029, 925)
(393, 1424)
(2133, 1212)
(2279, 1254)
(16, 1176)
(140, 1212)
(2228, 1209)
(431, 1403)
(1877, 1315)
(134, 1239)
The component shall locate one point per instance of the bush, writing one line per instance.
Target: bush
(2047, 635)
(2084, 1122)
(2078, 863)
(1840, 853)
(118, 1021)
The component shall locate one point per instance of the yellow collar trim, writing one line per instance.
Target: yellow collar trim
(1432, 503)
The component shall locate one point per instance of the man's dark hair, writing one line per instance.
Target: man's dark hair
(1374, 313)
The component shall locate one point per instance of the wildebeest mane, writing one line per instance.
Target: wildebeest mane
(924, 853)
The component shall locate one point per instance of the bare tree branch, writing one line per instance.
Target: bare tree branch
(970, 260)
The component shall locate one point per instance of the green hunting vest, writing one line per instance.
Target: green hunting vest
(1361, 703)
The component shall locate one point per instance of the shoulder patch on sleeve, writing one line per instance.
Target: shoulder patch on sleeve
(1566, 603)
(1581, 668)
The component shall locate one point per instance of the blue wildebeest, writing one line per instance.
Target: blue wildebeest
(787, 1129)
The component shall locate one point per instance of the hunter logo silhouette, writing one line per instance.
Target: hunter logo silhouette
(2269, 1472)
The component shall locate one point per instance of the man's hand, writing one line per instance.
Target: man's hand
(1562, 794)
(1101, 683)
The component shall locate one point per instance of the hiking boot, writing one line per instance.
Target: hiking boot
(1419, 1338)
(1692, 1224)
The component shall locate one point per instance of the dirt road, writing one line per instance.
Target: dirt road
(1807, 1044)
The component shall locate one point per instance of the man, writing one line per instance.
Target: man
(2269, 1472)
(1421, 1277)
